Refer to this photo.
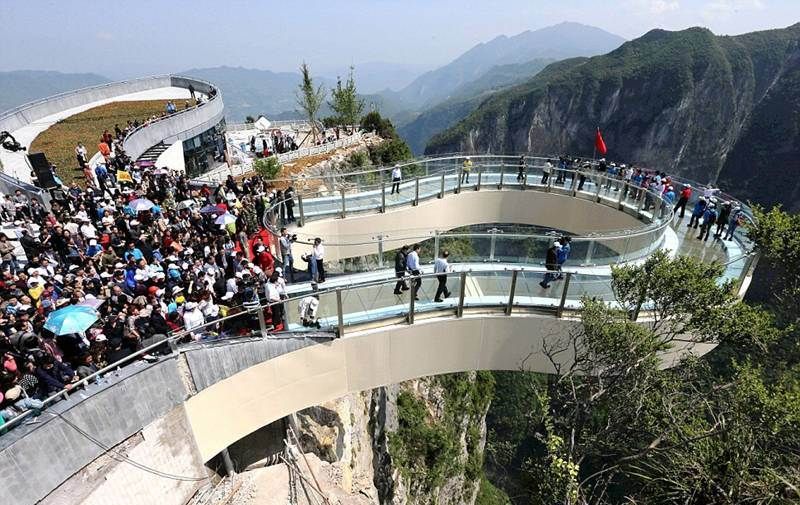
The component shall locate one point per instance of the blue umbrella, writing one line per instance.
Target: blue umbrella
(210, 209)
(71, 319)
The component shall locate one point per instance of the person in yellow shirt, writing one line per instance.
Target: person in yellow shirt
(466, 168)
(36, 289)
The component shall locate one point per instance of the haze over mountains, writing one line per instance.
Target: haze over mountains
(715, 108)
(398, 90)
(22, 86)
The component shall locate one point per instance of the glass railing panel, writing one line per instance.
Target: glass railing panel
(326, 312)
(529, 291)
(606, 251)
(487, 289)
(373, 302)
(592, 286)
(520, 249)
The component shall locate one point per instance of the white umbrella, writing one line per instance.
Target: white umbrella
(141, 204)
(225, 219)
(185, 204)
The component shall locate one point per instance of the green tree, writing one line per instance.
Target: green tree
(612, 426)
(374, 122)
(310, 98)
(249, 119)
(267, 168)
(346, 104)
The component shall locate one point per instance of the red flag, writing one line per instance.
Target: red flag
(599, 143)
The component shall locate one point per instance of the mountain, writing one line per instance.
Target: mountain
(252, 92)
(464, 100)
(378, 76)
(22, 86)
(557, 42)
(720, 109)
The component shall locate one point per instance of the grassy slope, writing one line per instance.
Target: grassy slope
(58, 142)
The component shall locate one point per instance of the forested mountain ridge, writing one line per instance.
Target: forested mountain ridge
(22, 86)
(713, 108)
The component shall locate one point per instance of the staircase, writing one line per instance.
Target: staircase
(154, 152)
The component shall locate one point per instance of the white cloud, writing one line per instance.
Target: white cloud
(732, 6)
(662, 6)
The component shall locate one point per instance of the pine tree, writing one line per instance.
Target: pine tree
(346, 104)
(310, 98)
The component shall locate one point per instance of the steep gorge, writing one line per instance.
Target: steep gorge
(712, 108)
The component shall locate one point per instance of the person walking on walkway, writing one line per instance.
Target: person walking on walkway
(440, 268)
(521, 169)
(546, 171)
(551, 264)
(412, 264)
(397, 175)
(287, 259)
(562, 255)
(400, 270)
(686, 193)
(466, 168)
(709, 218)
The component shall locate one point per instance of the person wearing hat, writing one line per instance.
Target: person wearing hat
(192, 318)
(686, 193)
(466, 168)
(308, 308)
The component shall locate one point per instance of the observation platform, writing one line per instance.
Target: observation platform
(498, 317)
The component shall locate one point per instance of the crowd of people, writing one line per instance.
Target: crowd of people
(152, 253)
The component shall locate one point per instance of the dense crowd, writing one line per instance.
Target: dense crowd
(146, 249)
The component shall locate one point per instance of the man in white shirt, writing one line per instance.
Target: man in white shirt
(440, 268)
(412, 263)
(317, 256)
(192, 318)
(397, 175)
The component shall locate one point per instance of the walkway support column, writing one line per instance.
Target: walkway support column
(510, 303)
(383, 197)
(560, 310)
(463, 282)
(302, 219)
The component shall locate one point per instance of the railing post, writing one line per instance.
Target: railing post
(492, 243)
(463, 282)
(560, 309)
(510, 303)
(344, 208)
(383, 197)
(380, 250)
(480, 173)
(589, 253)
(412, 300)
(573, 187)
(435, 244)
(625, 251)
(599, 187)
(459, 174)
(441, 191)
(262, 323)
(502, 173)
(642, 199)
(302, 220)
(339, 313)
(621, 195)
(416, 191)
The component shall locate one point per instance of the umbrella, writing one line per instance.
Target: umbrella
(226, 218)
(71, 319)
(94, 303)
(210, 209)
(160, 171)
(144, 164)
(141, 204)
(185, 204)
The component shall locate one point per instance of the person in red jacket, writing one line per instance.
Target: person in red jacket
(264, 260)
(686, 193)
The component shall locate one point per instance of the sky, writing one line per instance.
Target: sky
(143, 37)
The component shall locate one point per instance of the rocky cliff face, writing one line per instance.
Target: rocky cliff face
(420, 442)
(711, 108)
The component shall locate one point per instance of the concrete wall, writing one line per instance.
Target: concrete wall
(172, 158)
(270, 390)
(181, 126)
(37, 458)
